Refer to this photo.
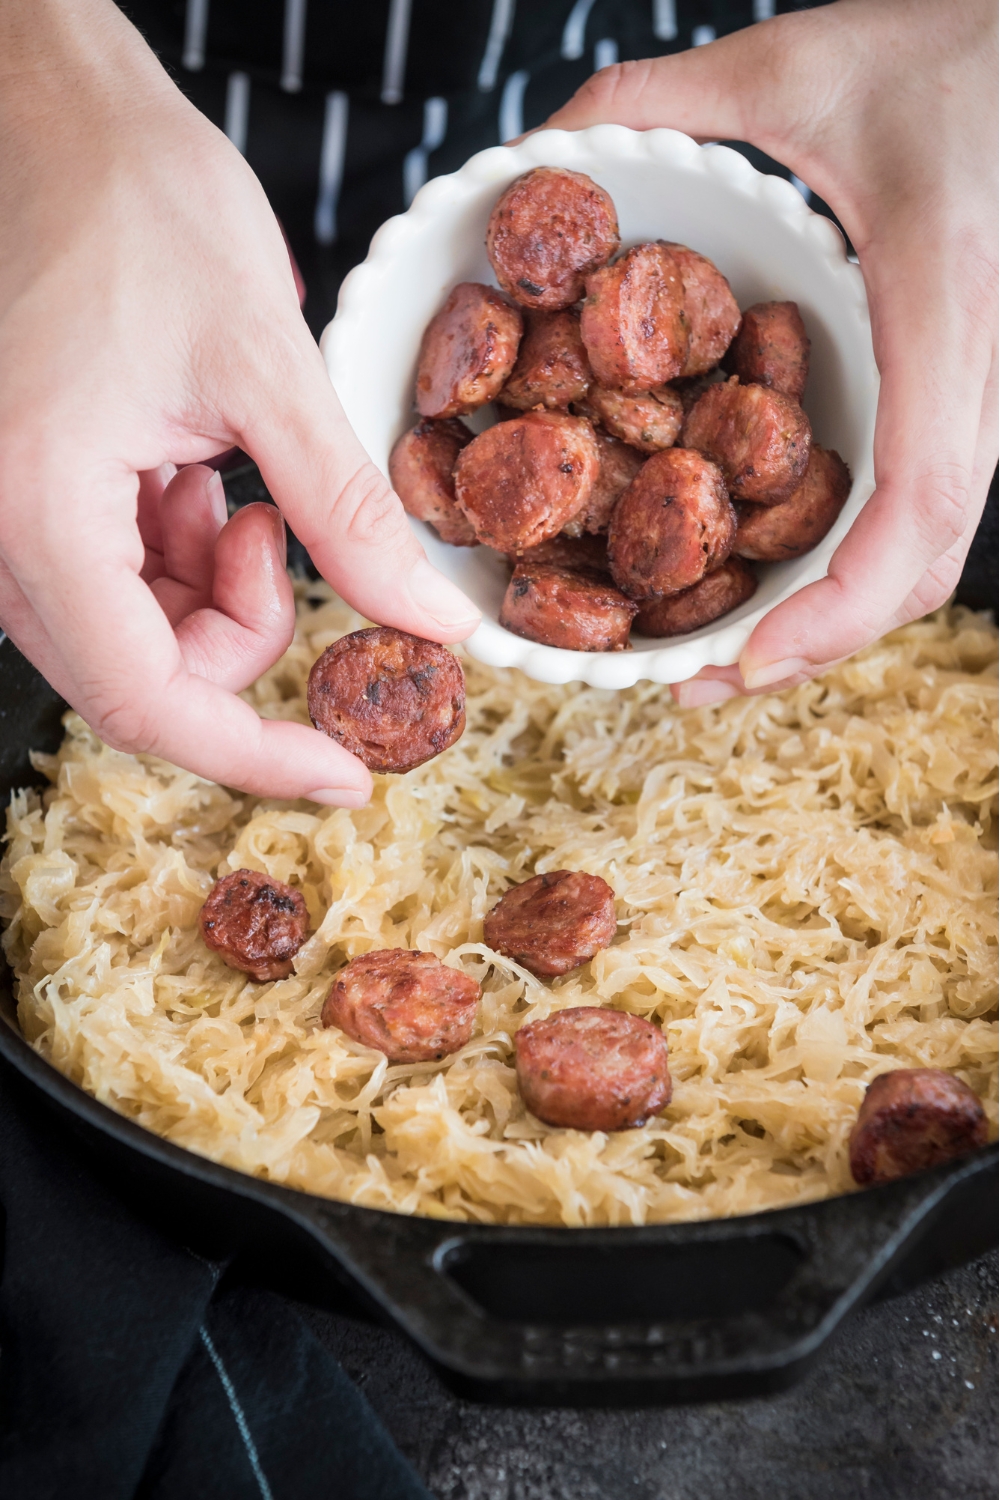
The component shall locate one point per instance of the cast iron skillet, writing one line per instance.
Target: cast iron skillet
(676, 1312)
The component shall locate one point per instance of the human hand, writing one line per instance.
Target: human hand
(886, 108)
(149, 318)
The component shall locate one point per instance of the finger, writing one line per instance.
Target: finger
(935, 355)
(115, 658)
(713, 92)
(152, 483)
(251, 621)
(344, 511)
(192, 514)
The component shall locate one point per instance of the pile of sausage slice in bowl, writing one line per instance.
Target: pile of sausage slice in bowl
(650, 446)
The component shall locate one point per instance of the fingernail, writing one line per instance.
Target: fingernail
(442, 600)
(700, 694)
(774, 671)
(216, 493)
(339, 796)
(280, 534)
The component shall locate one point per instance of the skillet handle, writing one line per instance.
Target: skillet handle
(669, 1312)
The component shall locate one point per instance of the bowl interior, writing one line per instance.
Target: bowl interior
(759, 232)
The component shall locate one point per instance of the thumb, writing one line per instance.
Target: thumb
(344, 511)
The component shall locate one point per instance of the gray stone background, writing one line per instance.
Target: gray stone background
(902, 1406)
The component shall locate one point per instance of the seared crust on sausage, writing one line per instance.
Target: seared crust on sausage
(404, 1003)
(759, 439)
(619, 466)
(554, 922)
(912, 1119)
(566, 607)
(730, 584)
(521, 481)
(633, 321)
(672, 525)
(255, 924)
(772, 349)
(648, 422)
(421, 466)
(467, 352)
(391, 699)
(548, 231)
(590, 1069)
(775, 533)
(552, 367)
(587, 553)
(712, 311)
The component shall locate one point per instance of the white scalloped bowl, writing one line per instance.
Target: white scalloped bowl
(762, 236)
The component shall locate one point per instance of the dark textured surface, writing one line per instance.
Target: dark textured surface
(902, 1407)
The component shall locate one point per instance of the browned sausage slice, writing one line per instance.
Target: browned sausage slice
(590, 1069)
(912, 1119)
(565, 607)
(648, 422)
(391, 699)
(633, 321)
(255, 924)
(673, 524)
(775, 533)
(619, 466)
(552, 368)
(587, 553)
(553, 923)
(421, 467)
(468, 351)
(404, 1003)
(730, 584)
(712, 311)
(547, 232)
(521, 481)
(772, 349)
(759, 439)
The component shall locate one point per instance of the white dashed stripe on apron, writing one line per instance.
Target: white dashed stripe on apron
(665, 20)
(575, 31)
(238, 110)
(511, 119)
(331, 167)
(397, 41)
(500, 24)
(195, 31)
(415, 161)
(294, 44)
(605, 53)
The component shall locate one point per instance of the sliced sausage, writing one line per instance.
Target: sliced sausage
(552, 368)
(912, 1119)
(391, 699)
(566, 607)
(692, 389)
(619, 466)
(404, 1003)
(648, 422)
(255, 924)
(548, 231)
(590, 1069)
(633, 321)
(673, 524)
(730, 584)
(468, 351)
(772, 349)
(712, 311)
(759, 439)
(585, 552)
(421, 467)
(775, 533)
(553, 923)
(521, 481)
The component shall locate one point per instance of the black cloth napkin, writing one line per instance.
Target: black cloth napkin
(132, 1367)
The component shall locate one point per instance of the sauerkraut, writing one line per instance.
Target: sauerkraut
(805, 888)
